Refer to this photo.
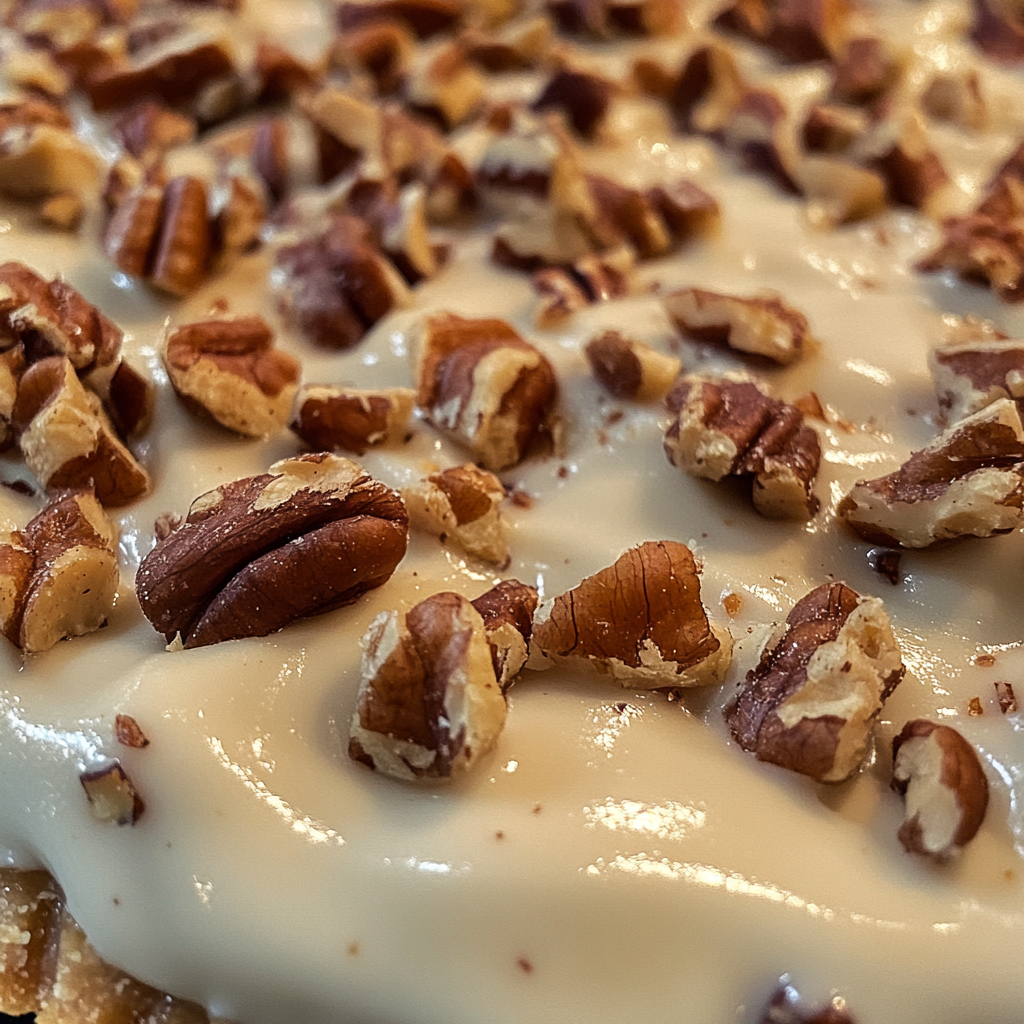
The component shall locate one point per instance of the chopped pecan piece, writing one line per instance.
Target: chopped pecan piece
(520, 45)
(58, 576)
(956, 97)
(865, 70)
(129, 733)
(800, 30)
(311, 535)
(281, 74)
(687, 210)
(384, 51)
(1005, 697)
(604, 18)
(479, 381)
(444, 84)
(761, 131)
(786, 1007)
(596, 278)
(67, 439)
(640, 620)
(631, 369)
(969, 482)
(231, 370)
(633, 215)
(732, 428)
(762, 325)
(972, 374)
(347, 129)
(507, 610)
(64, 211)
(582, 96)
(811, 701)
(838, 192)
(429, 703)
(425, 18)
(462, 504)
(832, 128)
(999, 29)
(708, 90)
(12, 366)
(331, 417)
(41, 157)
(148, 129)
(914, 174)
(945, 787)
(112, 795)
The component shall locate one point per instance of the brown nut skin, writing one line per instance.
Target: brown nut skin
(583, 97)
(811, 701)
(429, 703)
(971, 374)
(184, 244)
(707, 91)
(945, 787)
(231, 370)
(311, 535)
(329, 417)
(479, 381)
(507, 610)
(631, 369)
(786, 1007)
(640, 620)
(999, 30)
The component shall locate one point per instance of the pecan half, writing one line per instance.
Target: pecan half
(945, 787)
(332, 417)
(811, 701)
(631, 369)
(640, 620)
(969, 482)
(429, 703)
(507, 610)
(58, 576)
(762, 325)
(480, 382)
(231, 370)
(732, 428)
(462, 504)
(972, 374)
(311, 535)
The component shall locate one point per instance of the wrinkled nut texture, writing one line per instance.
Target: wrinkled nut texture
(731, 428)
(311, 535)
(972, 374)
(230, 369)
(631, 369)
(945, 787)
(811, 701)
(640, 620)
(462, 504)
(429, 704)
(67, 439)
(112, 796)
(761, 325)
(58, 576)
(480, 382)
(329, 417)
(507, 610)
(969, 482)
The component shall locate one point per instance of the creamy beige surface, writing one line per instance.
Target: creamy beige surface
(618, 857)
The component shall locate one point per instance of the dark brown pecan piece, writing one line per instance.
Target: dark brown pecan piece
(429, 703)
(425, 18)
(913, 171)
(507, 610)
(833, 128)
(732, 428)
(583, 97)
(281, 74)
(786, 1007)
(1005, 697)
(707, 91)
(148, 128)
(760, 131)
(632, 215)
(969, 482)
(331, 417)
(517, 46)
(565, 290)
(640, 620)
(945, 787)
(999, 29)
(384, 51)
(972, 374)
(811, 701)
(311, 535)
(800, 30)
(631, 369)
(443, 85)
(865, 69)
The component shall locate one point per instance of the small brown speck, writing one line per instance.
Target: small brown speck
(602, 438)
(911, 412)
(524, 965)
(521, 499)
(810, 405)
(985, 660)
(974, 708)
(117, 902)
(1010, 875)
(563, 472)
(499, 834)
(218, 306)
(732, 603)
(615, 416)
(886, 563)
(536, 808)
(1005, 696)
(353, 949)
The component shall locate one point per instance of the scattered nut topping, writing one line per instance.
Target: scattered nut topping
(480, 382)
(732, 428)
(811, 701)
(443, 83)
(429, 704)
(64, 211)
(614, 17)
(517, 46)
(971, 374)
(956, 97)
(148, 128)
(330, 417)
(913, 171)
(112, 795)
(425, 18)
(231, 370)
(311, 535)
(762, 325)
(786, 1007)
(707, 91)
(984, 660)
(129, 733)
(631, 369)
(640, 621)
(1006, 698)
(507, 610)
(886, 562)
(462, 504)
(383, 51)
(58, 576)
(761, 131)
(969, 482)
(945, 787)
(832, 128)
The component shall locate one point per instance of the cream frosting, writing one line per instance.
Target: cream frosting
(617, 857)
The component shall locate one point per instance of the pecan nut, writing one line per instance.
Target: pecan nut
(631, 369)
(969, 375)
(810, 703)
(565, 290)
(329, 417)
(507, 610)
(640, 620)
(311, 535)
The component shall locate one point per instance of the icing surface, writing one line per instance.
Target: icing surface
(617, 857)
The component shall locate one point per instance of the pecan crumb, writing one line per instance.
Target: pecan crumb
(129, 733)
(112, 795)
(974, 708)
(1006, 698)
(886, 562)
(984, 660)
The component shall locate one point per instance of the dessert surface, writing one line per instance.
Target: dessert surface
(617, 856)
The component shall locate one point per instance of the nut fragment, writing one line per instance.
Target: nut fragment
(708, 90)
(800, 30)
(732, 428)
(839, 192)
(762, 132)
(507, 610)
(330, 417)
(311, 535)
(148, 129)
(58, 576)
(129, 733)
(462, 504)
(969, 482)
(972, 374)
(583, 97)
(631, 369)
(112, 795)
(640, 621)
(956, 97)
(865, 70)
(999, 29)
(762, 325)
(443, 83)
(811, 701)
(31, 905)
(945, 787)
(1006, 698)
(565, 290)
(429, 704)
(786, 1007)
(231, 370)
(479, 381)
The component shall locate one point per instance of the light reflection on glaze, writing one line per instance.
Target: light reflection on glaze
(669, 820)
